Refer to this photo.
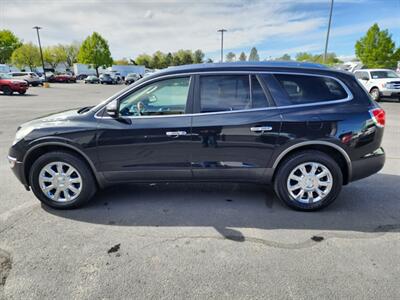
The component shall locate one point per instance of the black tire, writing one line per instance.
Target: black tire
(7, 90)
(290, 164)
(375, 94)
(22, 92)
(89, 186)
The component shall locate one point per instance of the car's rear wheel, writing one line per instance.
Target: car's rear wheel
(62, 180)
(375, 94)
(308, 180)
(7, 90)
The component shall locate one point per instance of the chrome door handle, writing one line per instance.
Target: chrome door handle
(261, 129)
(175, 133)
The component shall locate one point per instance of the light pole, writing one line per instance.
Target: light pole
(40, 48)
(327, 33)
(222, 43)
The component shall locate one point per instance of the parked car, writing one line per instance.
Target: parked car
(131, 78)
(81, 76)
(303, 128)
(107, 79)
(30, 77)
(380, 83)
(9, 85)
(62, 78)
(91, 79)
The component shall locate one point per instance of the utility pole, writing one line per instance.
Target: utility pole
(222, 43)
(327, 33)
(40, 48)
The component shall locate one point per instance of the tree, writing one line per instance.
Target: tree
(254, 55)
(95, 52)
(123, 61)
(331, 58)
(54, 55)
(183, 57)
(198, 56)
(242, 57)
(377, 49)
(284, 57)
(169, 59)
(26, 55)
(144, 60)
(158, 60)
(8, 43)
(71, 52)
(230, 56)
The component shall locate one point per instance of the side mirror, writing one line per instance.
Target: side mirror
(112, 109)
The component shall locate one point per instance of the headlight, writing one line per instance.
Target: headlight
(23, 132)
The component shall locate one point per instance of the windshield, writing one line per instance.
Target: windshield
(383, 74)
(5, 76)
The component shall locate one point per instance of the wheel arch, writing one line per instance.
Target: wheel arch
(333, 150)
(374, 87)
(40, 149)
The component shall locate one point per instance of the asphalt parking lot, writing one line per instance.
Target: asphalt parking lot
(229, 241)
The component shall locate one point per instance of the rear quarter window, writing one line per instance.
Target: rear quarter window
(306, 89)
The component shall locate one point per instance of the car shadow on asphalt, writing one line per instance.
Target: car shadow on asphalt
(369, 205)
(18, 95)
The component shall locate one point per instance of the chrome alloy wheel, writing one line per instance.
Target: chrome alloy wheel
(309, 182)
(60, 181)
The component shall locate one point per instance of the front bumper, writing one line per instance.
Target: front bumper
(18, 169)
(390, 93)
(368, 165)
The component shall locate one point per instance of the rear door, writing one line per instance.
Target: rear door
(234, 129)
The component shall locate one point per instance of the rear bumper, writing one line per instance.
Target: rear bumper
(368, 165)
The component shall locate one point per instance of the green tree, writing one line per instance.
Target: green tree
(331, 58)
(230, 56)
(159, 60)
(377, 49)
(284, 57)
(242, 57)
(95, 52)
(54, 55)
(198, 56)
(183, 57)
(123, 61)
(169, 59)
(8, 43)
(71, 52)
(26, 55)
(254, 55)
(144, 60)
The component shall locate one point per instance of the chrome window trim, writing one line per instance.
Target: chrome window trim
(348, 98)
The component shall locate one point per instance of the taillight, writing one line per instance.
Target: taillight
(378, 116)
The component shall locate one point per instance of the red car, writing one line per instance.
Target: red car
(9, 85)
(62, 78)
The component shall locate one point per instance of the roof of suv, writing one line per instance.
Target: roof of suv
(248, 66)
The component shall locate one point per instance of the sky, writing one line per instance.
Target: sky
(135, 27)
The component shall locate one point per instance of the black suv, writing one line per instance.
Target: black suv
(303, 128)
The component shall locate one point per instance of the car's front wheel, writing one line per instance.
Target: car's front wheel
(62, 180)
(375, 94)
(308, 180)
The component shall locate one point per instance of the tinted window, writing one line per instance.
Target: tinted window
(164, 97)
(258, 96)
(303, 89)
(224, 93)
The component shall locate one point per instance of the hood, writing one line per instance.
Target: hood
(53, 119)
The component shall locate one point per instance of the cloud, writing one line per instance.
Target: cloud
(136, 27)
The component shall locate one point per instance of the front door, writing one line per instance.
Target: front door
(235, 130)
(151, 139)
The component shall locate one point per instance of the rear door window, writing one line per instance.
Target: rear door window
(305, 89)
(230, 93)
